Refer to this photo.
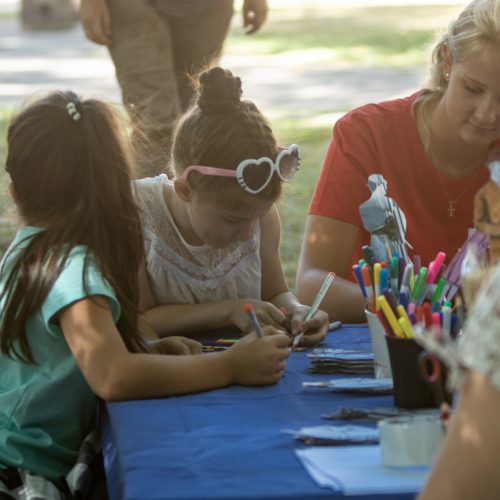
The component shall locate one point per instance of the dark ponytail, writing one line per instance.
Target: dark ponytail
(71, 175)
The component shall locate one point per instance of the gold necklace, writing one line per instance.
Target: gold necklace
(453, 203)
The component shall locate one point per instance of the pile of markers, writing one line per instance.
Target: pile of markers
(404, 294)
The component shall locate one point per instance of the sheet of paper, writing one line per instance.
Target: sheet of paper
(358, 470)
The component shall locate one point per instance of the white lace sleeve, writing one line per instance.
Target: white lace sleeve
(480, 347)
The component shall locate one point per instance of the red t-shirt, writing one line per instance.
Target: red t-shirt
(383, 138)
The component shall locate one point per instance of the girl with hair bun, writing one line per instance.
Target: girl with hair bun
(212, 233)
(69, 331)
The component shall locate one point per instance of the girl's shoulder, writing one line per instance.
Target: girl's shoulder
(151, 184)
(150, 192)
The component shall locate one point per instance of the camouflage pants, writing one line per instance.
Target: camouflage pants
(153, 55)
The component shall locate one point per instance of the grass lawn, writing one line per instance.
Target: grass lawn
(370, 36)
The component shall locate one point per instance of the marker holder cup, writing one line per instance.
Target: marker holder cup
(411, 390)
(379, 346)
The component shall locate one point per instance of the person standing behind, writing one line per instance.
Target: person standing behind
(430, 147)
(155, 46)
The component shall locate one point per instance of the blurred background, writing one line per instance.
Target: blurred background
(311, 62)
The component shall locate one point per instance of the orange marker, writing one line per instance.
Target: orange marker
(367, 282)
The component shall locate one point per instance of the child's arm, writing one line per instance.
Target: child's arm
(275, 289)
(173, 319)
(328, 245)
(183, 319)
(168, 345)
(113, 373)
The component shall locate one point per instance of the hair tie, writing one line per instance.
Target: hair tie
(72, 111)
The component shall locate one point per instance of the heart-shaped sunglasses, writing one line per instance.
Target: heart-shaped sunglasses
(254, 175)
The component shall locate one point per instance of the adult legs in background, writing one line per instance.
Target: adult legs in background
(152, 53)
(198, 40)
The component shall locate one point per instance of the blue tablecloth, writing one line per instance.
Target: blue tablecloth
(227, 443)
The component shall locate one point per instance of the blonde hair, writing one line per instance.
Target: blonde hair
(476, 30)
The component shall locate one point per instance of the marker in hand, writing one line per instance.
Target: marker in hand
(316, 303)
(253, 319)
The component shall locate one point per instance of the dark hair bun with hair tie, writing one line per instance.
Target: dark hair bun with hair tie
(219, 90)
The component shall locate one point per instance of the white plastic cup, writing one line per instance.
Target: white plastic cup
(379, 346)
(410, 441)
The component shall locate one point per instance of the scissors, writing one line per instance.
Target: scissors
(430, 369)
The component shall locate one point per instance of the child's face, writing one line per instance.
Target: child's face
(218, 223)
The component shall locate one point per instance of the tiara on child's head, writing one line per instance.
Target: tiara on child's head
(72, 111)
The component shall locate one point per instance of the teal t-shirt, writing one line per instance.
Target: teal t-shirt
(47, 408)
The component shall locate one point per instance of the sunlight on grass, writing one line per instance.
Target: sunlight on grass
(391, 36)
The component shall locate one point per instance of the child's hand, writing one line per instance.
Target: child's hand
(259, 360)
(175, 345)
(314, 330)
(267, 314)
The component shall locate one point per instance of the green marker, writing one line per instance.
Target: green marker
(419, 285)
(439, 290)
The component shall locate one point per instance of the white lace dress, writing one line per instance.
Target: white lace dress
(180, 273)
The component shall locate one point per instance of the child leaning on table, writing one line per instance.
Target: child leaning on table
(212, 234)
(69, 293)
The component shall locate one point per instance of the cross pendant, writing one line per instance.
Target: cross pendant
(451, 208)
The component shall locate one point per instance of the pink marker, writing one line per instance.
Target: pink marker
(435, 266)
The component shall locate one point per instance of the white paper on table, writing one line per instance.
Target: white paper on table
(358, 470)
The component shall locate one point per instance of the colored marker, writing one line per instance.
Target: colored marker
(403, 299)
(321, 295)
(405, 282)
(401, 270)
(426, 307)
(394, 274)
(367, 282)
(419, 290)
(416, 263)
(384, 323)
(253, 319)
(336, 325)
(391, 300)
(447, 318)
(376, 279)
(402, 312)
(436, 296)
(435, 267)
(316, 303)
(356, 269)
(390, 316)
(384, 279)
(406, 326)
